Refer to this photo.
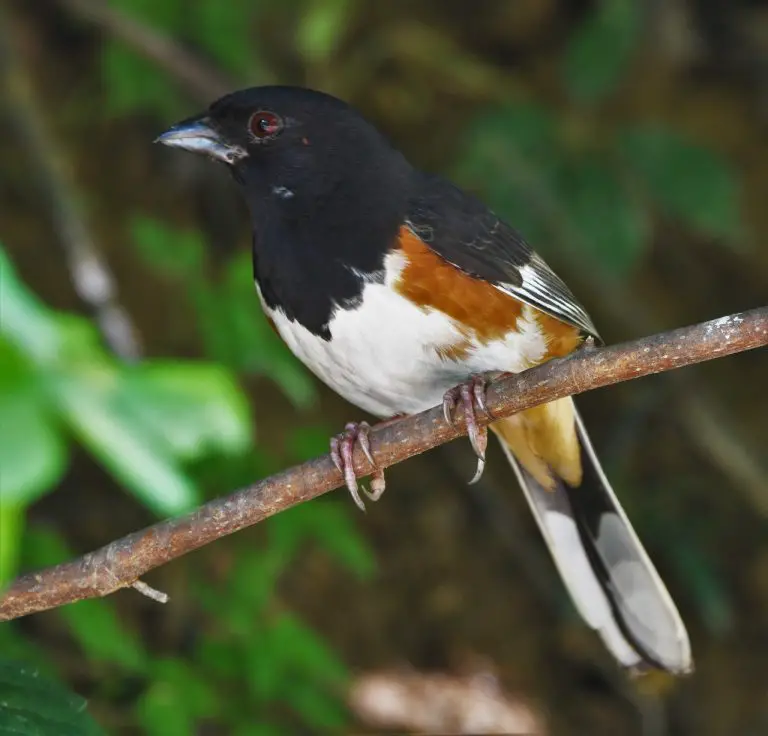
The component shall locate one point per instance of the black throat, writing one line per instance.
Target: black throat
(316, 243)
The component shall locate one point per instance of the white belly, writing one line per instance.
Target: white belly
(383, 357)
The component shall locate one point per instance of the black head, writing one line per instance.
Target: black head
(289, 143)
(327, 193)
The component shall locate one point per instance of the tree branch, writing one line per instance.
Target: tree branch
(121, 563)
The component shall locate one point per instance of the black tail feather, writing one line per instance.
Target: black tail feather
(608, 573)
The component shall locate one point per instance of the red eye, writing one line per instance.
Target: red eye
(264, 124)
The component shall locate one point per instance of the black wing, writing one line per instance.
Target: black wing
(464, 232)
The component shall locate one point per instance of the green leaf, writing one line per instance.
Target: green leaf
(224, 30)
(261, 728)
(133, 83)
(33, 704)
(612, 227)
(140, 422)
(254, 345)
(527, 129)
(250, 588)
(14, 644)
(173, 251)
(32, 453)
(335, 531)
(44, 547)
(220, 659)
(168, 15)
(200, 698)
(162, 712)
(26, 322)
(95, 626)
(176, 698)
(213, 307)
(690, 182)
(252, 583)
(317, 708)
(600, 51)
(322, 25)
(285, 654)
(231, 322)
(305, 652)
(329, 523)
(11, 528)
(307, 442)
(191, 409)
(93, 404)
(265, 668)
(80, 345)
(42, 336)
(511, 160)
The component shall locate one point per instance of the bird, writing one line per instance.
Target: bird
(401, 292)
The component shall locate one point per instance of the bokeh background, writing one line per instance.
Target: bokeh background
(626, 139)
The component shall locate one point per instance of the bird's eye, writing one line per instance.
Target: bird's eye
(264, 124)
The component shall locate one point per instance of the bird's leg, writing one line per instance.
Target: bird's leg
(471, 396)
(342, 451)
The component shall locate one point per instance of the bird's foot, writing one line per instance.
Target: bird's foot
(471, 396)
(342, 450)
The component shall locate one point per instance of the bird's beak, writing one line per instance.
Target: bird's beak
(197, 135)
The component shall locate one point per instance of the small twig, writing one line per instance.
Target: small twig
(124, 561)
(150, 592)
(203, 82)
(91, 276)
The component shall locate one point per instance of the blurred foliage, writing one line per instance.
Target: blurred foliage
(221, 30)
(543, 124)
(684, 180)
(232, 326)
(255, 658)
(537, 167)
(521, 160)
(34, 705)
(599, 52)
(142, 422)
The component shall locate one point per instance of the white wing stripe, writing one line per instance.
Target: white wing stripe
(539, 293)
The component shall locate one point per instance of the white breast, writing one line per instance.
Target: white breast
(382, 354)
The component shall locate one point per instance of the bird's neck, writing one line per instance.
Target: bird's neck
(314, 254)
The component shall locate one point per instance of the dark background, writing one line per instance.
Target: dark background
(627, 140)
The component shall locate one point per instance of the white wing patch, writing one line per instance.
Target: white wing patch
(540, 293)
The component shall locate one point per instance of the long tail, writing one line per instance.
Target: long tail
(609, 575)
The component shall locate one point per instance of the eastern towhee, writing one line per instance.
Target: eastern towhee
(400, 292)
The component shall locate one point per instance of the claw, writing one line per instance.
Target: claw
(471, 394)
(449, 404)
(347, 452)
(478, 391)
(478, 438)
(342, 452)
(478, 471)
(362, 437)
(336, 455)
